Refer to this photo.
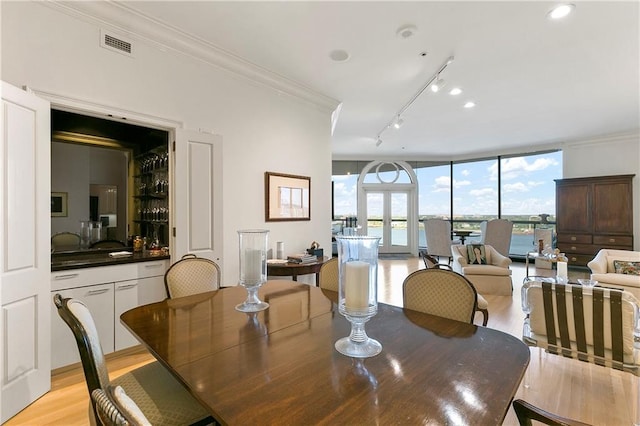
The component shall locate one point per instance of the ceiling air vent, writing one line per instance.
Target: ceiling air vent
(116, 43)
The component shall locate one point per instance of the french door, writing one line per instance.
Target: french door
(388, 215)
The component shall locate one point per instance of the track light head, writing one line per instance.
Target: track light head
(398, 123)
(437, 85)
(379, 141)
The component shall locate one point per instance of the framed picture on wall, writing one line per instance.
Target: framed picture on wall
(287, 197)
(58, 204)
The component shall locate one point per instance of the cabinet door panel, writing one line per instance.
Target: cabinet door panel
(151, 290)
(574, 213)
(613, 211)
(99, 300)
(125, 297)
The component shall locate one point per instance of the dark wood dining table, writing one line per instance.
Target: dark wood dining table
(279, 366)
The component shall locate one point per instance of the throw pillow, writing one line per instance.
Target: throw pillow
(476, 254)
(626, 267)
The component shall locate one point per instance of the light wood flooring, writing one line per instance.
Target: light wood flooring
(582, 391)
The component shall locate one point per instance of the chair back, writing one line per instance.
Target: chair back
(438, 234)
(431, 263)
(107, 412)
(440, 292)
(329, 275)
(527, 412)
(595, 325)
(77, 316)
(108, 244)
(191, 275)
(497, 233)
(115, 408)
(65, 241)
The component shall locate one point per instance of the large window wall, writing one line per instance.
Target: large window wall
(520, 188)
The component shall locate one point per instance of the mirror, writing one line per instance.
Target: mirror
(92, 178)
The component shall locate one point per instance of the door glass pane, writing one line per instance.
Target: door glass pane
(399, 235)
(375, 214)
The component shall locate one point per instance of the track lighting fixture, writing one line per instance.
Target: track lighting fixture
(434, 81)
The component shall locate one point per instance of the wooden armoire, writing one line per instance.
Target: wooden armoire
(594, 213)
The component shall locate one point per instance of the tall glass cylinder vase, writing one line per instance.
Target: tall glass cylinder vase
(358, 293)
(253, 267)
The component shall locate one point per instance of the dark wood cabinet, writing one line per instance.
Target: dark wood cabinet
(594, 213)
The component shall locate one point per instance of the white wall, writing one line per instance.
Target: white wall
(606, 157)
(262, 129)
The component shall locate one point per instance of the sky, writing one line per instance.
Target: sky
(528, 188)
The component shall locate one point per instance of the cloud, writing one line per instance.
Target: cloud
(465, 172)
(442, 184)
(515, 187)
(512, 168)
(482, 192)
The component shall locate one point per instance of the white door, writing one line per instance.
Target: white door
(25, 249)
(387, 216)
(197, 195)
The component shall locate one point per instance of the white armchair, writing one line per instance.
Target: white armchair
(603, 270)
(494, 277)
(497, 233)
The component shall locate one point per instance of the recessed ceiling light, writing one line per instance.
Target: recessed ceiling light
(470, 104)
(561, 11)
(339, 55)
(406, 31)
(455, 91)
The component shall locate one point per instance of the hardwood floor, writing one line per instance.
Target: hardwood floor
(582, 391)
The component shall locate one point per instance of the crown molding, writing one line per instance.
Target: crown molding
(124, 20)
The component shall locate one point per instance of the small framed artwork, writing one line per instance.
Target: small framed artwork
(58, 204)
(287, 197)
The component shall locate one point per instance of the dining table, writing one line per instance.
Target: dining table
(279, 366)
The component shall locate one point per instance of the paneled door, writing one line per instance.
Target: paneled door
(25, 249)
(197, 195)
(387, 217)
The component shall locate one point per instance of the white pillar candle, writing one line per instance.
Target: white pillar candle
(252, 266)
(563, 273)
(356, 285)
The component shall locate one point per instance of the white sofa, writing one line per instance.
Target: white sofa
(492, 278)
(603, 271)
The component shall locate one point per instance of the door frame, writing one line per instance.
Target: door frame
(386, 246)
(391, 186)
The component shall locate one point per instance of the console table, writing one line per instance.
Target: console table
(294, 269)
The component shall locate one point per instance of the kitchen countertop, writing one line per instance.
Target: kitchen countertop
(91, 258)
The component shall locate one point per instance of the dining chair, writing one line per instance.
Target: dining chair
(162, 399)
(482, 304)
(65, 241)
(191, 275)
(590, 324)
(440, 292)
(438, 236)
(497, 233)
(329, 275)
(527, 412)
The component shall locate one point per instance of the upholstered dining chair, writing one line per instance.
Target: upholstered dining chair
(527, 412)
(440, 292)
(162, 399)
(191, 275)
(438, 235)
(590, 324)
(65, 241)
(497, 233)
(329, 275)
(482, 304)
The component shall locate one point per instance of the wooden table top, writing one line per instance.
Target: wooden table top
(280, 365)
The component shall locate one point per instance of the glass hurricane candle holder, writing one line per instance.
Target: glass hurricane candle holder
(358, 293)
(253, 267)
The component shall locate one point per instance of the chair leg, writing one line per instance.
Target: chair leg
(485, 316)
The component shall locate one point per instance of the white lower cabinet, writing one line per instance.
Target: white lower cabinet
(108, 291)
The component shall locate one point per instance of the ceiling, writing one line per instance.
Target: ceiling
(536, 82)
